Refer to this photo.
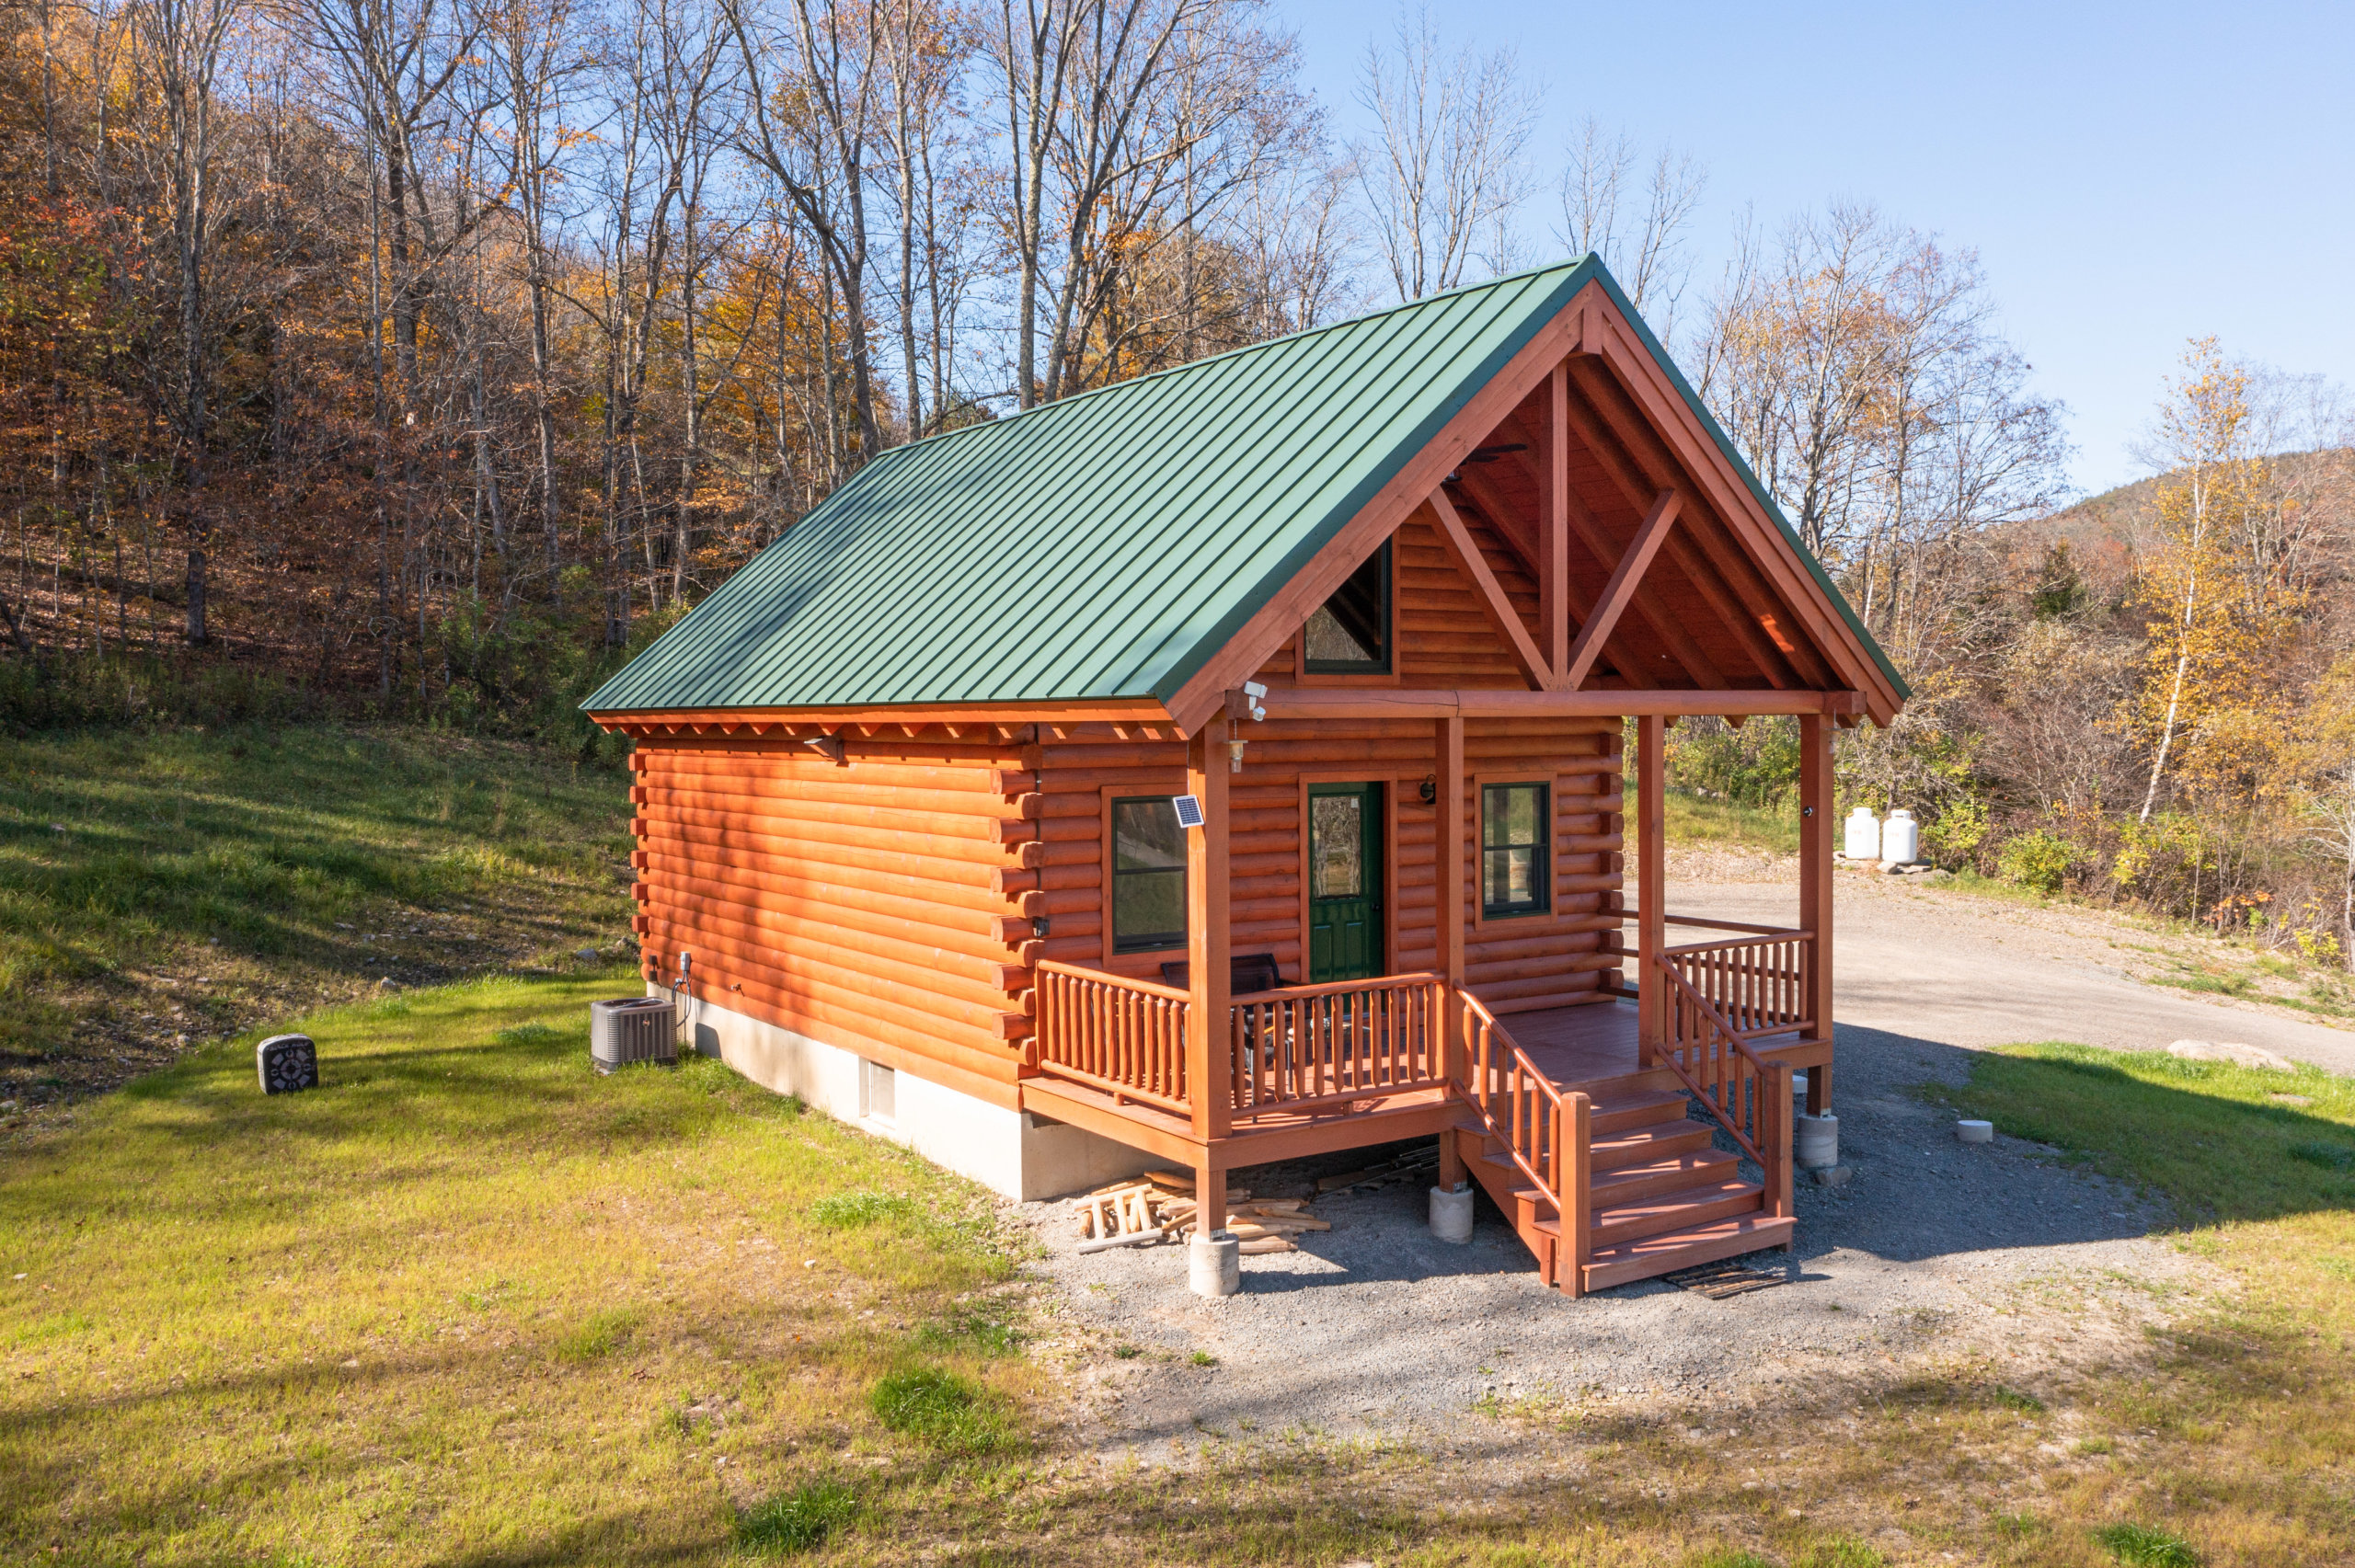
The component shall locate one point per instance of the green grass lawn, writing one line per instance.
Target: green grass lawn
(163, 886)
(470, 1303)
(2250, 1406)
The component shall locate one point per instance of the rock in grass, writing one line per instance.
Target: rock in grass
(2238, 1055)
(286, 1063)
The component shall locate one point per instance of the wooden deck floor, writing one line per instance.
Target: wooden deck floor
(1577, 1046)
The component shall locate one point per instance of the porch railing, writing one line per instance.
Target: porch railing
(1304, 1047)
(1125, 1037)
(1756, 981)
(1299, 1048)
(1748, 1096)
(1546, 1133)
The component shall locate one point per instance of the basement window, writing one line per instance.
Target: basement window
(1148, 874)
(878, 1091)
(1515, 877)
(1349, 633)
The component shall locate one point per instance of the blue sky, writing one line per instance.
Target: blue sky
(2130, 176)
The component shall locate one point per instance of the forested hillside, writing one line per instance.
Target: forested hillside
(420, 357)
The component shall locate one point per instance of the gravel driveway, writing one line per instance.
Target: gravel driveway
(1934, 1249)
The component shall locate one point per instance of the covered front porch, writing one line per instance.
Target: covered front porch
(1567, 1115)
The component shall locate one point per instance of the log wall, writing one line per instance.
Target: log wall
(883, 906)
(1515, 965)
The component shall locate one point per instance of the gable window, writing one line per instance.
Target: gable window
(1148, 874)
(1515, 878)
(1349, 633)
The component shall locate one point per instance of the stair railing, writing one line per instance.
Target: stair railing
(1545, 1133)
(1750, 1097)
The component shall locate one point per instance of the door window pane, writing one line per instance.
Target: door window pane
(1337, 856)
(1148, 874)
(1515, 877)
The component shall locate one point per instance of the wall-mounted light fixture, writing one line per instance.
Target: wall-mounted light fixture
(1255, 691)
(1429, 792)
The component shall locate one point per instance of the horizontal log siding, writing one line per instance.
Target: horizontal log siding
(1538, 961)
(882, 907)
(1444, 638)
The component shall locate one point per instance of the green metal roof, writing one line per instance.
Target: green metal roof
(1102, 546)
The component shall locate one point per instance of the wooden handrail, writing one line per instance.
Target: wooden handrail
(1338, 987)
(1631, 916)
(1555, 1160)
(1126, 982)
(1741, 1049)
(1723, 944)
(1768, 1095)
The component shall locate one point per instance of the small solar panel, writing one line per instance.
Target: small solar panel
(1189, 811)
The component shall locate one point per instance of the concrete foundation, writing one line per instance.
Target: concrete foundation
(1815, 1140)
(1451, 1214)
(1214, 1264)
(1023, 1156)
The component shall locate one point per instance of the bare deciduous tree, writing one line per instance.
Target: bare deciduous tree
(1639, 233)
(185, 44)
(1443, 170)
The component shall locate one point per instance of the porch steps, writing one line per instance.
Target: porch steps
(1661, 1196)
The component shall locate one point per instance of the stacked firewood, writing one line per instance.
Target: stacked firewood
(1160, 1205)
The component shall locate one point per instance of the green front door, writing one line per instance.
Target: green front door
(1344, 881)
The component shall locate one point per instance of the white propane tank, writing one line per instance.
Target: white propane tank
(1862, 834)
(1900, 838)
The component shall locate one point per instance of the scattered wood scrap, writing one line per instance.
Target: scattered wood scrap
(1720, 1280)
(1157, 1206)
(1408, 1166)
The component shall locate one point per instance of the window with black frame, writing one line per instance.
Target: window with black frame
(1349, 633)
(1515, 878)
(1148, 874)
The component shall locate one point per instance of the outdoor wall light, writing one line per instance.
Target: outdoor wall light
(1429, 792)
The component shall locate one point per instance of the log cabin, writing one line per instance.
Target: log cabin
(1230, 766)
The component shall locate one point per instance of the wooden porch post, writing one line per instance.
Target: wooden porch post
(1448, 849)
(1651, 879)
(1208, 967)
(1817, 824)
(1553, 524)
